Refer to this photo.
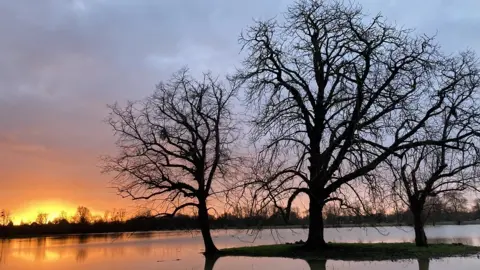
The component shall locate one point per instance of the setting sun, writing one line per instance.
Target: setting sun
(53, 208)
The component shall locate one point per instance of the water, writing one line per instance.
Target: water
(181, 250)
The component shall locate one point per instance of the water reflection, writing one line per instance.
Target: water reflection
(317, 264)
(45, 249)
(2, 250)
(423, 264)
(180, 250)
(81, 255)
(210, 262)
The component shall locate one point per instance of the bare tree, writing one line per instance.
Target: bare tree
(434, 208)
(431, 170)
(5, 217)
(176, 146)
(118, 215)
(42, 218)
(62, 218)
(107, 216)
(455, 202)
(83, 215)
(335, 94)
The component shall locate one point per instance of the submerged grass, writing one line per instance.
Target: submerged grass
(357, 251)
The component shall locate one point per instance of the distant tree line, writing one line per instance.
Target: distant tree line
(451, 208)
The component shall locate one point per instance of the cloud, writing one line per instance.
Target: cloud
(11, 143)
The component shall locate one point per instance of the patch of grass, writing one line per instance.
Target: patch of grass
(356, 251)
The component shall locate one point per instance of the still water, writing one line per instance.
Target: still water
(181, 250)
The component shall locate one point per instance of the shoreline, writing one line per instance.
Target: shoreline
(113, 232)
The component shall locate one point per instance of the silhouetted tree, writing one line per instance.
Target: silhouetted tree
(434, 208)
(448, 168)
(5, 217)
(96, 219)
(336, 93)
(83, 215)
(176, 145)
(476, 208)
(107, 216)
(42, 218)
(455, 202)
(144, 213)
(61, 219)
(118, 215)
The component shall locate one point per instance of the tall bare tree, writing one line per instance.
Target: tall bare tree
(176, 146)
(431, 170)
(335, 94)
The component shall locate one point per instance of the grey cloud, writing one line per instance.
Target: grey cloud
(62, 61)
(72, 57)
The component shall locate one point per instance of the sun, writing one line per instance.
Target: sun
(54, 208)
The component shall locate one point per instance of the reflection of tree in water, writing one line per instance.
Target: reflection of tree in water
(61, 240)
(313, 264)
(144, 249)
(142, 235)
(170, 252)
(423, 264)
(210, 262)
(317, 264)
(41, 242)
(81, 256)
(3, 247)
(46, 248)
(118, 252)
(40, 254)
(83, 238)
(450, 240)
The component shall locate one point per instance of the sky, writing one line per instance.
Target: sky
(63, 61)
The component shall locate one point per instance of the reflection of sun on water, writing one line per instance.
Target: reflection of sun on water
(35, 256)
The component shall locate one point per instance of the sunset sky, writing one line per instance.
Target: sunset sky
(62, 61)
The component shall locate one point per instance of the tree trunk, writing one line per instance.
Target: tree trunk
(316, 227)
(420, 236)
(210, 247)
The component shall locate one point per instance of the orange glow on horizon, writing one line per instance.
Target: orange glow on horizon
(53, 208)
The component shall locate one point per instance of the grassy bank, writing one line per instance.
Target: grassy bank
(356, 251)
